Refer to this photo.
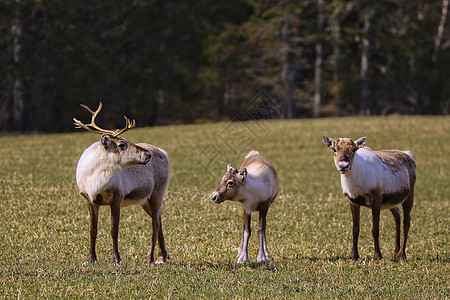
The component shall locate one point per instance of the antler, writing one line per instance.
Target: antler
(92, 127)
(128, 125)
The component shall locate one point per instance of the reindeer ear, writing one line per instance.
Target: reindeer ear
(105, 140)
(361, 142)
(328, 142)
(243, 174)
(229, 168)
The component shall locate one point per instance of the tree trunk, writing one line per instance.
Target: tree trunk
(286, 68)
(290, 54)
(364, 74)
(336, 40)
(318, 62)
(20, 92)
(6, 104)
(440, 31)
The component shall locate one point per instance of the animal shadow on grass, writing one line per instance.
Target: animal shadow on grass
(368, 258)
(329, 259)
(231, 266)
(436, 258)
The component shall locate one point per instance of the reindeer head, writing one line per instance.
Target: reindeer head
(230, 186)
(118, 150)
(344, 151)
(124, 153)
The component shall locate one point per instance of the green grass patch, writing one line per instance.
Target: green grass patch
(45, 223)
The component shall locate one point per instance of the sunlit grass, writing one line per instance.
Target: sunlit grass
(45, 223)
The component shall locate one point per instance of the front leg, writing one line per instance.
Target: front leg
(246, 232)
(355, 217)
(263, 253)
(376, 227)
(93, 213)
(115, 219)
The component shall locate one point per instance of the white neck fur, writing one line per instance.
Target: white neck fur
(94, 170)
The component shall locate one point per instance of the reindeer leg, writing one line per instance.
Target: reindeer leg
(407, 207)
(263, 253)
(163, 253)
(376, 202)
(155, 231)
(115, 219)
(355, 216)
(246, 232)
(93, 213)
(396, 212)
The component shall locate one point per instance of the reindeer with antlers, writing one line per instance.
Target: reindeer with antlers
(118, 173)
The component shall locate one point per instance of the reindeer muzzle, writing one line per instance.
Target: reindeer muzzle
(215, 197)
(343, 167)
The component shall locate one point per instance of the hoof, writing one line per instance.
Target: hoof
(115, 259)
(243, 259)
(163, 257)
(354, 256)
(92, 259)
(162, 260)
(149, 260)
(262, 258)
(377, 257)
(399, 256)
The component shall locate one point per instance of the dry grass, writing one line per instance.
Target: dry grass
(45, 239)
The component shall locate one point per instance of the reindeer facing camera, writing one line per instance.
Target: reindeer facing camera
(116, 172)
(255, 186)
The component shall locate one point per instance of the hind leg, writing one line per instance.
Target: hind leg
(407, 207)
(396, 213)
(163, 253)
(263, 253)
(152, 207)
(153, 213)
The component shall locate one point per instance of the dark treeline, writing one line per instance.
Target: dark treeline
(168, 62)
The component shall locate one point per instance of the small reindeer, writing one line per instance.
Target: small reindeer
(378, 180)
(118, 173)
(255, 186)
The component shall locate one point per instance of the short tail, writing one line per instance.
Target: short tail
(251, 153)
(409, 153)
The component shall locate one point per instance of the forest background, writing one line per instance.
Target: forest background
(176, 62)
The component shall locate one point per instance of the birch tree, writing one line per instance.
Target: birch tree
(317, 100)
(440, 31)
(367, 13)
(20, 86)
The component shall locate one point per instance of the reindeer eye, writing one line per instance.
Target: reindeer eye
(354, 150)
(123, 146)
(230, 183)
(334, 150)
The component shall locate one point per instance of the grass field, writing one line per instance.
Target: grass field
(44, 228)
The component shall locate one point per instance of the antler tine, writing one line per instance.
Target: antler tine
(79, 124)
(128, 125)
(94, 113)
